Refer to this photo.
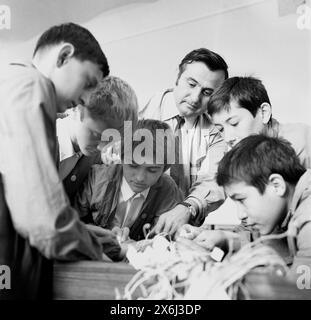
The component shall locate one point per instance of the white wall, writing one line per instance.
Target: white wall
(144, 45)
(145, 42)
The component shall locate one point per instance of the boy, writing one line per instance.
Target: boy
(241, 107)
(36, 222)
(134, 193)
(272, 190)
(79, 134)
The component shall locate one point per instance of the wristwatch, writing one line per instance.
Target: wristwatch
(190, 207)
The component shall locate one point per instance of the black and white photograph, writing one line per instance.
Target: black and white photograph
(155, 150)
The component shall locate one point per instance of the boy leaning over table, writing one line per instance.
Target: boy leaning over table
(37, 223)
(240, 107)
(272, 190)
(126, 197)
(79, 133)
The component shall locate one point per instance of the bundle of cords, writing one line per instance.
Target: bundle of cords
(170, 272)
(225, 279)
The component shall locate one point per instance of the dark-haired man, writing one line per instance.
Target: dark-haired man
(36, 221)
(200, 72)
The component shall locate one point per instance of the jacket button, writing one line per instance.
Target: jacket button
(73, 178)
(144, 215)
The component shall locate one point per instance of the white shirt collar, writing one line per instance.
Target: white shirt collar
(127, 193)
(66, 149)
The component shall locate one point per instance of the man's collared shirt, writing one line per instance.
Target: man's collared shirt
(191, 138)
(205, 148)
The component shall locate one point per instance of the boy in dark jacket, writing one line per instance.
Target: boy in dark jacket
(136, 192)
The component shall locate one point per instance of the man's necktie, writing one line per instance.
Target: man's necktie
(177, 169)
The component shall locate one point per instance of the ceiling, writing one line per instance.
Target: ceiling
(32, 17)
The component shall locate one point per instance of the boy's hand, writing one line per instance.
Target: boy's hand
(188, 231)
(211, 238)
(112, 248)
(170, 221)
(122, 234)
(190, 245)
(124, 247)
(99, 231)
(218, 238)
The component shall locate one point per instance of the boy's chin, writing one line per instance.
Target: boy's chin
(137, 189)
(264, 231)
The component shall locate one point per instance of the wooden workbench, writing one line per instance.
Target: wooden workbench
(90, 280)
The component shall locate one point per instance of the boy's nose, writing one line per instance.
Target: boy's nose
(229, 138)
(242, 214)
(85, 97)
(140, 177)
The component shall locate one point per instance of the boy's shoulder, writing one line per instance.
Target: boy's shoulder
(296, 133)
(24, 72)
(301, 203)
(24, 77)
(294, 128)
(299, 135)
(166, 183)
(300, 221)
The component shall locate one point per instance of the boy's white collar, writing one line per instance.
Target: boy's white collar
(128, 193)
(66, 149)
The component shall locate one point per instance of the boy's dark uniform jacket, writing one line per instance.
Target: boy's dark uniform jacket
(98, 200)
(31, 273)
(75, 179)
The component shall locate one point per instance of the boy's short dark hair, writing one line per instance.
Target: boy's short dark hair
(211, 59)
(255, 158)
(85, 44)
(163, 141)
(248, 92)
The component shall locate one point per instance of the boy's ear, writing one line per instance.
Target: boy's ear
(278, 184)
(265, 112)
(65, 53)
